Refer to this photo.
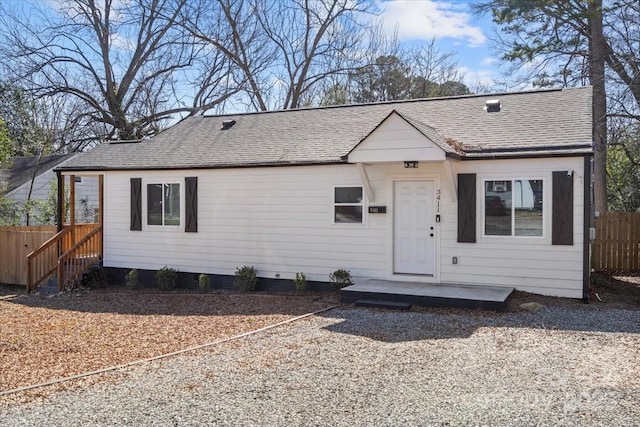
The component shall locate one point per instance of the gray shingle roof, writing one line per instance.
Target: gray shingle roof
(21, 169)
(548, 121)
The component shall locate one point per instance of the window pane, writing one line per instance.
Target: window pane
(171, 204)
(528, 207)
(497, 208)
(154, 204)
(348, 214)
(348, 194)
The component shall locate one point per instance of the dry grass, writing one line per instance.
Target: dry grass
(607, 292)
(622, 290)
(44, 338)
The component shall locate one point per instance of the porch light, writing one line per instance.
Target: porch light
(411, 165)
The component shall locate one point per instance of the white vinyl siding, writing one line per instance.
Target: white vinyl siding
(528, 264)
(396, 140)
(278, 219)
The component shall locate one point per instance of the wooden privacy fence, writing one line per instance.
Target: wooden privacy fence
(15, 244)
(616, 247)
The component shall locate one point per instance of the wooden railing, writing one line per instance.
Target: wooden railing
(43, 262)
(75, 261)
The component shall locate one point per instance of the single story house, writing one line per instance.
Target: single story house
(35, 175)
(478, 190)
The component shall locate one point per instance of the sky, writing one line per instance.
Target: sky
(455, 28)
(453, 25)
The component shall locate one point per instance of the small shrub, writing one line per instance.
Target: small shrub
(300, 282)
(340, 278)
(166, 277)
(95, 278)
(204, 282)
(246, 278)
(131, 279)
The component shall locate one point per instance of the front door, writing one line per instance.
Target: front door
(413, 228)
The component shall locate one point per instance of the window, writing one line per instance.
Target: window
(513, 208)
(348, 202)
(163, 204)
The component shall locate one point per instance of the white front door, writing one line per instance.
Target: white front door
(413, 228)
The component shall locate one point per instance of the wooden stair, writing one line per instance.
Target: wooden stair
(65, 258)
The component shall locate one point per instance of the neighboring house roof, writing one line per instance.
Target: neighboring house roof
(22, 169)
(545, 122)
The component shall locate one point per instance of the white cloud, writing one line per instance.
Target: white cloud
(489, 61)
(478, 78)
(427, 19)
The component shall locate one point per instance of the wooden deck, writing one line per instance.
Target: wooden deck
(477, 297)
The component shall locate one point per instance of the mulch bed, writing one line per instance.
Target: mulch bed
(52, 336)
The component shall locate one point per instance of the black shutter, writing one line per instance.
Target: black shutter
(467, 207)
(191, 204)
(136, 204)
(562, 209)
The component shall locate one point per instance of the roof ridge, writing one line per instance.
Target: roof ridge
(399, 101)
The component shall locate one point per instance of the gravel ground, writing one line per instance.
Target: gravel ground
(359, 367)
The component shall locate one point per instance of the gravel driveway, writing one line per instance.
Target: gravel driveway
(359, 367)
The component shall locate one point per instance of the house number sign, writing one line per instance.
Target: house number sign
(438, 201)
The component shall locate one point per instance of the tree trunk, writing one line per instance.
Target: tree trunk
(599, 109)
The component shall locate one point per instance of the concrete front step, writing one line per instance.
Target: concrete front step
(477, 297)
(390, 305)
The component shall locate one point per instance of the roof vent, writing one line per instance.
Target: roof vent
(492, 106)
(227, 124)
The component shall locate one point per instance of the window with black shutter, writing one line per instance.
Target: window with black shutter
(191, 204)
(562, 212)
(136, 204)
(467, 208)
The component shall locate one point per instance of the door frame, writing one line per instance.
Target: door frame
(391, 275)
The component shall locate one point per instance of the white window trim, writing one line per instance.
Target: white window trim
(362, 204)
(145, 203)
(545, 207)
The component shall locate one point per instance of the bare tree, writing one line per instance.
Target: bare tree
(232, 28)
(315, 39)
(128, 64)
(282, 50)
(430, 62)
(391, 71)
(66, 124)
